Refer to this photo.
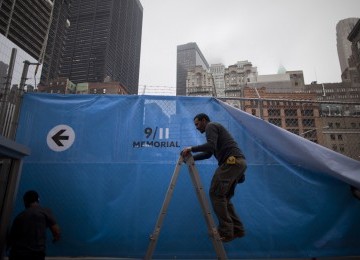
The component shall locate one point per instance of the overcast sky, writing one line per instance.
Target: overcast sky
(300, 35)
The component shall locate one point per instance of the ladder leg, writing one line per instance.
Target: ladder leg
(155, 235)
(215, 236)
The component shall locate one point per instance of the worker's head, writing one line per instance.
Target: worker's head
(30, 197)
(200, 121)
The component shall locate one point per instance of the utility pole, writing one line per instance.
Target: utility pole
(18, 99)
(5, 98)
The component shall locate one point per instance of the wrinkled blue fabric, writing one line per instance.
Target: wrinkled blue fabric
(106, 189)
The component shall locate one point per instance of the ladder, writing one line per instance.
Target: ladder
(214, 234)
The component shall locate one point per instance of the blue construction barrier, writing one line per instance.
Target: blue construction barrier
(103, 163)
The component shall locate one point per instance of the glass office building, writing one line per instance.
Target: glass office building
(188, 56)
(103, 42)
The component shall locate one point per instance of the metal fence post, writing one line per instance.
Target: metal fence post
(5, 97)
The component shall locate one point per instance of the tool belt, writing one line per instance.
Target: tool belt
(235, 160)
(231, 160)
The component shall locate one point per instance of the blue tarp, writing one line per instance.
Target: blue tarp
(103, 163)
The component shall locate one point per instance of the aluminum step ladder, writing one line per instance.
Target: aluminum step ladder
(213, 232)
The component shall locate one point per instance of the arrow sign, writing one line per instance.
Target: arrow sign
(60, 138)
(57, 137)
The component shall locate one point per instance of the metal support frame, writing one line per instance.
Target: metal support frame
(213, 232)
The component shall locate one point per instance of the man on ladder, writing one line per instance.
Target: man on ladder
(230, 172)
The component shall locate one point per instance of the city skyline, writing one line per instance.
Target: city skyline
(297, 36)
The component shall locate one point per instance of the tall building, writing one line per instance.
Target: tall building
(343, 29)
(104, 42)
(236, 78)
(188, 56)
(55, 42)
(200, 82)
(218, 71)
(26, 24)
(354, 60)
(24, 27)
(341, 91)
(288, 81)
(156, 90)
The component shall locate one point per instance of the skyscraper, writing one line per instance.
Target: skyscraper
(218, 71)
(24, 27)
(55, 41)
(26, 24)
(343, 29)
(104, 42)
(188, 56)
(354, 38)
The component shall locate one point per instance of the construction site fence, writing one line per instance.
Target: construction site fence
(332, 124)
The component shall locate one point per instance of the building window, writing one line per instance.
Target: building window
(310, 133)
(274, 112)
(332, 137)
(342, 148)
(291, 122)
(275, 121)
(309, 122)
(340, 137)
(290, 112)
(198, 80)
(294, 131)
(308, 112)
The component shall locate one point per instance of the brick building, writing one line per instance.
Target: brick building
(65, 86)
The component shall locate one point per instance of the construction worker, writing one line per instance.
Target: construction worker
(27, 238)
(230, 172)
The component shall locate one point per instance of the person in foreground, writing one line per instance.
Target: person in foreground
(27, 238)
(230, 172)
